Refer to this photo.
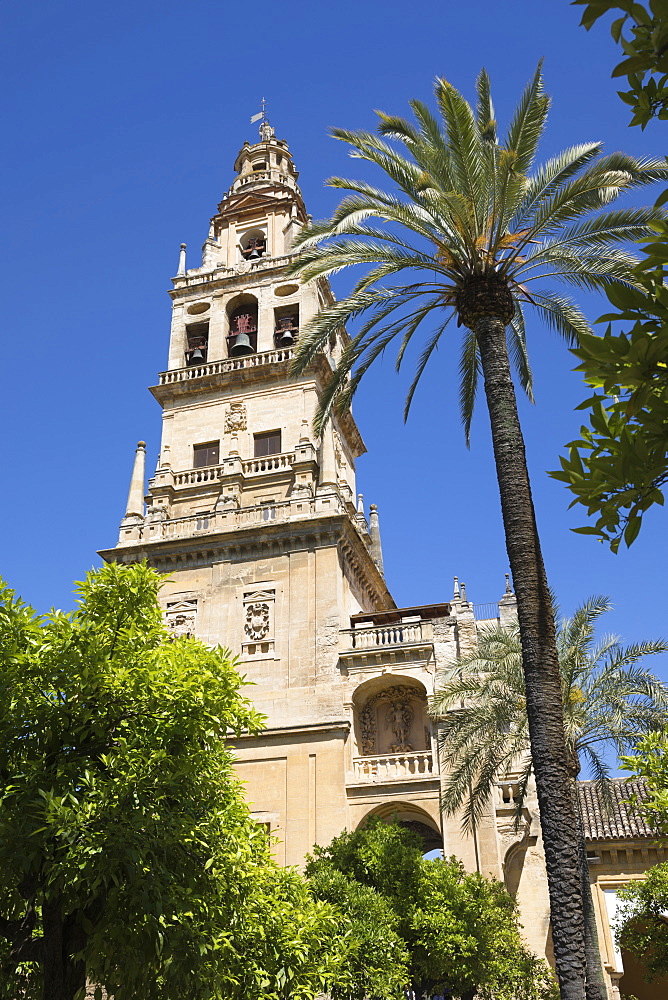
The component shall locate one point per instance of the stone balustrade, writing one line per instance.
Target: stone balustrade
(209, 274)
(270, 463)
(508, 791)
(208, 474)
(394, 766)
(254, 467)
(226, 365)
(222, 520)
(395, 634)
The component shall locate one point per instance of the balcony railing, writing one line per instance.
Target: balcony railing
(226, 365)
(485, 612)
(178, 527)
(394, 766)
(254, 467)
(270, 463)
(388, 635)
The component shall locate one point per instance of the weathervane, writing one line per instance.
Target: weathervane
(266, 131)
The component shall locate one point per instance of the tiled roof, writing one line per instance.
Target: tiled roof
(619, 822)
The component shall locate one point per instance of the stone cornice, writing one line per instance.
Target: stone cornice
(219, 278)
(280, 732)
(257, 541)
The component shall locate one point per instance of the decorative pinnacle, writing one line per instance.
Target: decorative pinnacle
(456, 590)
(266, 131)
(508, 587)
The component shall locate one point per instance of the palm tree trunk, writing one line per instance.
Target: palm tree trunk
(540, 662)
(595, 988)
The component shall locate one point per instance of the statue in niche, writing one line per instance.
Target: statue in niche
(400, 719)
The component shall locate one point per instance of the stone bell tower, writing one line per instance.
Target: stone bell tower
(268, 550)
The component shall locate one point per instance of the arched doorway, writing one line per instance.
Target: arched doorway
(413, 818)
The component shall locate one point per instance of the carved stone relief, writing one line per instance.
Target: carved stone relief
(393, 708)
(235, 418)
(339, 452)
(257, 621)
(181, 618)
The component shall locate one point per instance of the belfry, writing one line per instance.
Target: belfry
(269, 550)
(268, 547)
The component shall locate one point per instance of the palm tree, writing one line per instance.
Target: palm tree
(467, 231)
(609, 702)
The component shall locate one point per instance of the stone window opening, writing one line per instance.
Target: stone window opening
(242, 336)
(267, 443)
(206, 454)
(286, 325)
(197, 339)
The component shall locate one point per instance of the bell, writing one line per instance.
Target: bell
(241, 346)
(253, 255)
(196, 356)
(286, 338)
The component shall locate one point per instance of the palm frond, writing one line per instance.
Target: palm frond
(552, 175)
(562, 314)
(528, 123)
(485, 109)
(423, 361)
(469, 370)
(519, 355)
(465, 149)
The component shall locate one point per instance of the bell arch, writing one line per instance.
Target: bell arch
(242, 313)
(253, 244)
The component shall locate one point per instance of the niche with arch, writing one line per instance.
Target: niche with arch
(392, 720)
(242, 326)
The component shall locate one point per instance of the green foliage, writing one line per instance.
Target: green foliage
(463, 205)
(618, 466)
(608, 699)
(650, 761)
(460, 930)
(643, 928)
(127, 853)
(642, 33)
(376, 958)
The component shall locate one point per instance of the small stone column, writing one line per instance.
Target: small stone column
(182, 261)
(327, 458)
(131, 524)
(374, 533)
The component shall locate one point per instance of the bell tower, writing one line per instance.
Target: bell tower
(267, 546)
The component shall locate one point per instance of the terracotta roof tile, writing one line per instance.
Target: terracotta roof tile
(622, 821)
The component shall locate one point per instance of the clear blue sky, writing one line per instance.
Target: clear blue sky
(121, 125)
